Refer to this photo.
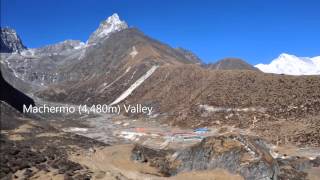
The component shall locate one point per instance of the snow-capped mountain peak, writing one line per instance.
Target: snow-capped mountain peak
(110, 25)
(292, 65)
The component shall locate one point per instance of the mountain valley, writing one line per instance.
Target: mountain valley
(228, 119)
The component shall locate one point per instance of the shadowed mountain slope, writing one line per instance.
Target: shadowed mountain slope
(13, 96)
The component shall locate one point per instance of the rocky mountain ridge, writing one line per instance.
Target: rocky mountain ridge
(10, 41)
(231, 64)
(190, 55)
(61, 62)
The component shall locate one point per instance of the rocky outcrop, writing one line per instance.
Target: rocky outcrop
(238, 154)
(10, 41)
(244, 155)
(189, 55)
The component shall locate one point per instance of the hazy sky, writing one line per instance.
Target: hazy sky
(254, 30)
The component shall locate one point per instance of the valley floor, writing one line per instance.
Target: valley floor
(100, 147)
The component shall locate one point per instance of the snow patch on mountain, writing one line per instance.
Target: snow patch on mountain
(136, 84)
(134, 52)
(112, 24)
(80, 46)
(292, 65)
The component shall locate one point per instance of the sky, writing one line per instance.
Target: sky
(254, 30)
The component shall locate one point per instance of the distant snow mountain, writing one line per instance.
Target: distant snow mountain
(292, 65)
